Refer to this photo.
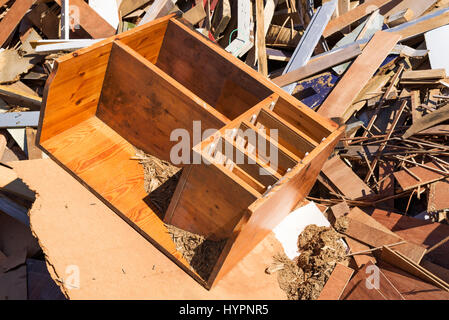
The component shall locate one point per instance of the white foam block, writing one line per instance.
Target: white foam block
(290, 228)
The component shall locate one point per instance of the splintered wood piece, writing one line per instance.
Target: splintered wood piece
(336, 284)
(427, 121)
(358, 75)
(426, 176)
(346, 181)
(400, 17)
(12, 19)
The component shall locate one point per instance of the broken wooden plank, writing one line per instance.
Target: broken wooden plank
(421, 25)
(361, 286)
(424, 74)
(428, 121)
(319, 64)
(336, 284)
(409, 181)
(345, 180)
(20, 98)
(354, 15)
(12, 65)
(358, 75)
(410, 249)
(128, 6)
(424, 233)
(12, 19)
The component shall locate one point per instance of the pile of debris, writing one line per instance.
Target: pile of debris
(379, 67)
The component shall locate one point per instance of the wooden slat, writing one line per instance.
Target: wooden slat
(358, 75)
(427, 121)
(354, 15)
(424, 74)
(412, 250)
(12, 19)
(401, 261)
(336, 284)
(319, 64)
(407, 181)
(346, 181)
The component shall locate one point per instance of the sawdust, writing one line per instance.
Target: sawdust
(320, 249)
(160, 179)
(341, 224)
(202, 254)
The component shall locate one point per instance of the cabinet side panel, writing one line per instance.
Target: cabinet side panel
(73, 90)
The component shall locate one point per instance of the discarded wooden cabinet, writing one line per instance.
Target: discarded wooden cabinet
(132, 90)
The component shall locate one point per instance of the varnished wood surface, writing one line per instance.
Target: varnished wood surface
(101, 160)
(145, 106)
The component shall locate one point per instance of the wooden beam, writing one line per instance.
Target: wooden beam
(424, 74)
(358, 75)
(319, 64)
(9, 23)
(345, 20)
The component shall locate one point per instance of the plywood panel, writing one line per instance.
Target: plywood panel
(358, 75)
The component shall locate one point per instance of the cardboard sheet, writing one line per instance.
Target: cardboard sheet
(94, 254)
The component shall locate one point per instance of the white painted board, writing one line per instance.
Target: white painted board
(438, 46)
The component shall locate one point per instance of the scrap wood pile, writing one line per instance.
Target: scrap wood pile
(376, 66)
